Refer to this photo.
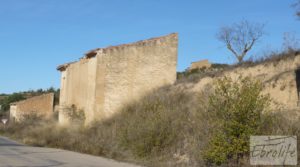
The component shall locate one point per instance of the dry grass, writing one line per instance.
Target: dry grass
(166, 128)
(154, 131)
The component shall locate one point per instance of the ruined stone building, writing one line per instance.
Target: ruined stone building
(200, 64)
(106, 79)
(41, 106)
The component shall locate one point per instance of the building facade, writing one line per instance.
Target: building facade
(106, 79)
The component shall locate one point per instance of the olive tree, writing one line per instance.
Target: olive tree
(240, 37)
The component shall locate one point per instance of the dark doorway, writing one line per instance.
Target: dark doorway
(297, 72)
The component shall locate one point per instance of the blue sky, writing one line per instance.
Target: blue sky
(38, 35)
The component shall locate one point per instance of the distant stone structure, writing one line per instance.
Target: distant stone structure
(105, 79)
(200, 64)
(39, 105)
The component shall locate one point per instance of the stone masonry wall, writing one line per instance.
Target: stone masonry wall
(78, 86)
(200, 64)
(39, 105)
(132, 71)
(106, 79)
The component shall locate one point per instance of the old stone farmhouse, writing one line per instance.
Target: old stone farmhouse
(105, 79)
(200, 64)
(41, 106)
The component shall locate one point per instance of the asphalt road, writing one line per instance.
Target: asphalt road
(13, 154)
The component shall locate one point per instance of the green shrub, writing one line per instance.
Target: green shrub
(239, 106)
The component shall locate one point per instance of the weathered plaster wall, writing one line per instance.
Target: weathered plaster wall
(78, 86)
(39, 105)
(102, 83)
(132, 71)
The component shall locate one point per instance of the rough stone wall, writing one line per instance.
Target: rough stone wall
(279, 79)
(106, 79)
(200, 64)
(39, 105)
(148, 65)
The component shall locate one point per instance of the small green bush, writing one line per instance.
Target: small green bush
(239, 106)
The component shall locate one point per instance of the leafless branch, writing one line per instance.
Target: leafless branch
(241, 37)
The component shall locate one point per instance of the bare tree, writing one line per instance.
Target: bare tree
(240, 37)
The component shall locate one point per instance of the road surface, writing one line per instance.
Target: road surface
(13, 154)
